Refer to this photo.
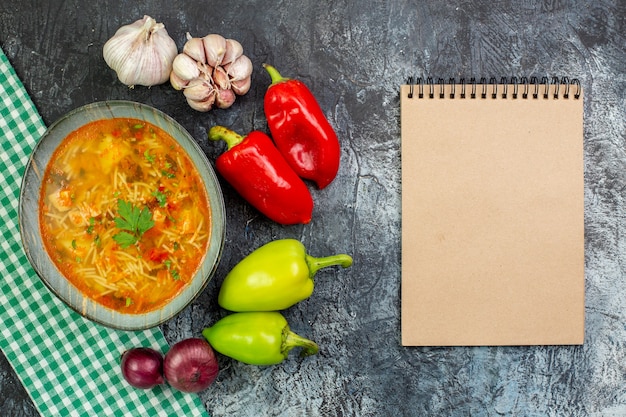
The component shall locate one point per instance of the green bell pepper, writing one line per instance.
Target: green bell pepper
(256, 338)
(274, 277)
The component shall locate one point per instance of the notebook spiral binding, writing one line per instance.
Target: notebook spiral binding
(484, 88)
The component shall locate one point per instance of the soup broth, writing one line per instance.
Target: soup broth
(124, 214)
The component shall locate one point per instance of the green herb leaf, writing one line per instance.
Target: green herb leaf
(133, 222)
(161, 197)
(173, 272)
(168, 174)
(149, 158)
(125, 239)
(144, 221)
(92, 222)
(128, 219)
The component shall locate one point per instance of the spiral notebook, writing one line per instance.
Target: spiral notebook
(492, 212)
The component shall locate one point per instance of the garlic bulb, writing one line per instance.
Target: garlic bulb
(141, 53)
(211, 71)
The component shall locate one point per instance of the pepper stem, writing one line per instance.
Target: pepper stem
(231, 138)
(292, 340)
(274, 74)
(315, 264)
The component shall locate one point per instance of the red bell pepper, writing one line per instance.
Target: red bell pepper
(260, 174)
(300, 130)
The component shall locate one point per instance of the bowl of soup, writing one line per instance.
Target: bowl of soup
(121, 214)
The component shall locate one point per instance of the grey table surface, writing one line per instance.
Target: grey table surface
(354, 55)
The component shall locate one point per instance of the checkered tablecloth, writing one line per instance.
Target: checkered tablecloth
(68, 365)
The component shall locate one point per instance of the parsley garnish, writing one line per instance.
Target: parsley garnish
(160, 197)
(149, 158)
(168, 174)
(174, 273)
(92, 222)
(133, 222)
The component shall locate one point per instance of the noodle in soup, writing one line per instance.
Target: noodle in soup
(124, 214)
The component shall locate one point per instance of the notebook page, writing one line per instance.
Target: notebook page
(492, 220)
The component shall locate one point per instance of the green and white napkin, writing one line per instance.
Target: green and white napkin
(68, 365)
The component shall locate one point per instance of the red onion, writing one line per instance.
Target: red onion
(190, 365)
(142, 367)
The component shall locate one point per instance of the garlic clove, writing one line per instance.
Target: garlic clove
(198, 90)
(233, 51)
(240, 69)
(204, 105)
(214, 49)
(194, 47)
(177, 82)
(224, 98)
(141, 53)
(220, 78)
(206, 71)
(185, 67)
(241, 87)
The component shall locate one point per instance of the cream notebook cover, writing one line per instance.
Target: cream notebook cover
(492, 214)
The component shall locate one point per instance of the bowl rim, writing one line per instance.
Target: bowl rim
(30, 229)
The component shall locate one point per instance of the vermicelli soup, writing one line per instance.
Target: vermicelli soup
(124, 214)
